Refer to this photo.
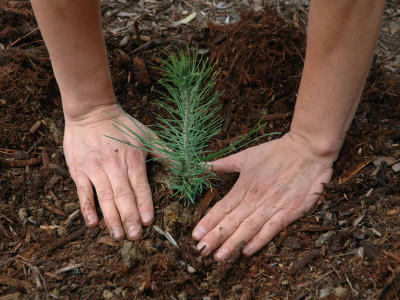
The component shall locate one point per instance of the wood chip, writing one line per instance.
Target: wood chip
(35, 127)
(205, 203)
(59, 170)
(69, 268)
(14, 163)
(53, 180)
(304, 261)
(5, 280)
(55, 210)
(14, 296)
(109, 241)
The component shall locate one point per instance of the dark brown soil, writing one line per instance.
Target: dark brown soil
(347, 246)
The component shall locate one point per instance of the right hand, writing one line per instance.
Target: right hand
(117, 172)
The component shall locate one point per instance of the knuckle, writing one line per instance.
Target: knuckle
(105, 195)
(92, 162)
(250, 224)
(233, 220)
(135, 156)
(110, 159)
(224, 207)
(123, 192)
(142, 187)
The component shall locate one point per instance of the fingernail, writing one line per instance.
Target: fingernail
(117, 233)
(199, 232)
(248, 250)
(90, 220)
(203, 247)
(221, 254)
(133, 232)
(147, 217)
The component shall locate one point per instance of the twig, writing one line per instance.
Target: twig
(21, 38)
(20, 163)
(68, 268)
(71, 218)
(351, 286)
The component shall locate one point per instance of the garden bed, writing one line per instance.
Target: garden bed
(348, 246)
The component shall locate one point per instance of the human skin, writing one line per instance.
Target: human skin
(279, 181)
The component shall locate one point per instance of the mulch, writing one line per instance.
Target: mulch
(347, 247)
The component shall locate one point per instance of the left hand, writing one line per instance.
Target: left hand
(279, 181)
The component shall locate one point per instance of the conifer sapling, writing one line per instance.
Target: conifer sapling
(182, 138)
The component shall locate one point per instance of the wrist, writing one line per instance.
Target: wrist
(99, 112)
(320, 148)
(82, 101)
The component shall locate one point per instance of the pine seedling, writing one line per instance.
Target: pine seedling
(192, 107)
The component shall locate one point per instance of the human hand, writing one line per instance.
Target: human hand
(116, 170)
(279, 181)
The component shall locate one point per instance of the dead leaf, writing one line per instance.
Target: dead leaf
(187, 19)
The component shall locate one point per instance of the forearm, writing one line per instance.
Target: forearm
(340, 45)
(73, 35)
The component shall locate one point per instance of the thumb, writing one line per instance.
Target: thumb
(229, 164)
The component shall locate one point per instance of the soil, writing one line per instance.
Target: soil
(347, 247)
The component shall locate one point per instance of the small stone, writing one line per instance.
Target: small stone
(323, 293)
(191, 270)
(340, 291)
(182, 296)
(22, 213)
(107, 294)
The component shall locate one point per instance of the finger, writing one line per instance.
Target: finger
(105, 195)
(85, 195)
(247, 229)
(270, 229)
(229, 164)
(221, 209)
(144, 200)
(125, 202)
(230, 223)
